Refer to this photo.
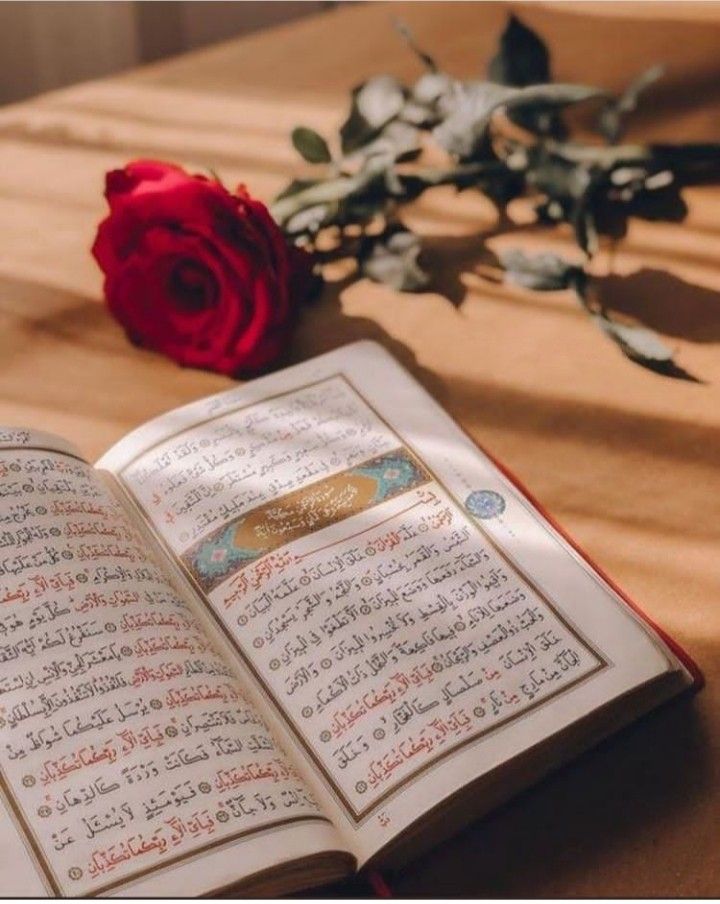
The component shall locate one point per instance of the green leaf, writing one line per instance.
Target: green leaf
(310, 219)
(628, 100)
(611, 120)
(392, 259)
(374, 104)
(418, 115)
(522, 58)
(310, 145)
(636, 341)
(405, 33)
(560, 179)
(423, 107)
(541, 272)
(397, 141)
(379, 100)
(552, 95)
(585, 227)
(644, 347)
(573, 191)
(297, 185)
(431, 87)
(472, 105)
(355, 132)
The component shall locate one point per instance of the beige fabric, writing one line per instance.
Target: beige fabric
(628, 461)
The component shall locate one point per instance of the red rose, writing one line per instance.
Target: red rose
(195, 272)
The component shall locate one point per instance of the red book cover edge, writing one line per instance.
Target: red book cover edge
(679, 651)
(375, 879)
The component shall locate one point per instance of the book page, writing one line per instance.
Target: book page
(127, 746)
(411, 621)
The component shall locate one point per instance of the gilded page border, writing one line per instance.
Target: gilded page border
(360, 816)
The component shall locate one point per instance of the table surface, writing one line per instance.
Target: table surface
(625, 459)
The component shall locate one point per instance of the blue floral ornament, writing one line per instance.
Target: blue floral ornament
(485, 504)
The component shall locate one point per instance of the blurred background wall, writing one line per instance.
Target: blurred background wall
(44, 45)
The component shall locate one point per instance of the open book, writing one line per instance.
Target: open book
(296, 629)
